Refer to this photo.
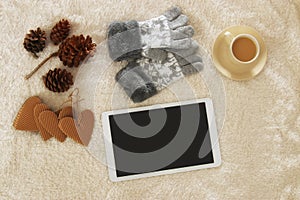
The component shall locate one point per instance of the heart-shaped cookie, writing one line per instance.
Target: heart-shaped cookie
(25, 118)
(49, 121)
(37, 110)
(65, 112)
(80, 130)
(68, 127)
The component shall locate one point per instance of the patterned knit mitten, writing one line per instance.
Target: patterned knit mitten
(128, 40)
(145, 77)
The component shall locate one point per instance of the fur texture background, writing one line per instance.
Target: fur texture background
(260, 140)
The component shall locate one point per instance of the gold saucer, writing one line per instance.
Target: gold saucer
(227, 65)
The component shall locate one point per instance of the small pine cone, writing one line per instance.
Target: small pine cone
(60, 31)
(74, 50)
(58, 80)
(35, 41)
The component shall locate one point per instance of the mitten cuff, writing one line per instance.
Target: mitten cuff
(137, 85)
(124, 40)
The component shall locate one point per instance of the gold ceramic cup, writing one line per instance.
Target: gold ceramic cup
(228, 64)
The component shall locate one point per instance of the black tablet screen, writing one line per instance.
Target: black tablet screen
(161, 139)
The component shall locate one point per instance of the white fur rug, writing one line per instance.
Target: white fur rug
(260, 140)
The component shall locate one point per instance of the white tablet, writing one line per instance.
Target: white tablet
(161, 139)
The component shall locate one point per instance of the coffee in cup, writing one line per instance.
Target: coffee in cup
(244, 48)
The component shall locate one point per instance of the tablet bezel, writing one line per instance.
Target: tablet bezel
(109, 146)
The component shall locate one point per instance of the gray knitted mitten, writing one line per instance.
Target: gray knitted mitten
(128, 40)
(145, 77)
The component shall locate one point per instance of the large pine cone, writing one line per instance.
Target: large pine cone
(74, 50)
(35, 41)
(60, 31)
(58, 80)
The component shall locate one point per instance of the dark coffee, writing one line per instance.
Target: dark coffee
(244, 49)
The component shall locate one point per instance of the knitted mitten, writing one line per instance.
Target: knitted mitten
(145, 77)
(128, 40)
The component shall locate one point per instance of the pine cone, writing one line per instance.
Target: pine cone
(58, 80)
(73, 50)
(35, 41)
(60, 31)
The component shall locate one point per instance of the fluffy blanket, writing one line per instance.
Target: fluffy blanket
(260, 139)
